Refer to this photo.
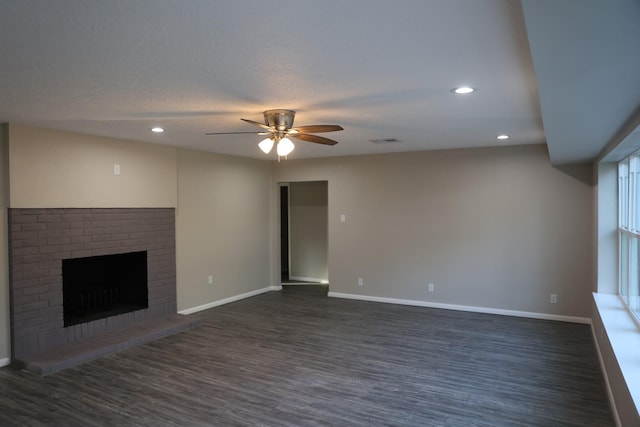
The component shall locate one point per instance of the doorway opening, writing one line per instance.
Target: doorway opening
(284, 233)
(304, 233)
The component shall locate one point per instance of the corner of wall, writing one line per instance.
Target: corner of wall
(5, 349)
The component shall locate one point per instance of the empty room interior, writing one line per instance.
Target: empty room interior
(320, 213)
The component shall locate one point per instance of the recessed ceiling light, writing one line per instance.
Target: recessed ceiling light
(157, 130)
(462, 90)
(503, 136)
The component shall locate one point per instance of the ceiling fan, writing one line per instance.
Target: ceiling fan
(278, 126)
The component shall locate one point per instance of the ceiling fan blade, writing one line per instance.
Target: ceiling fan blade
(314, 138)
(236, 133)
(317, 128)
(262, 125)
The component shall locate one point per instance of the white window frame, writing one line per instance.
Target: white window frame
(629, 233)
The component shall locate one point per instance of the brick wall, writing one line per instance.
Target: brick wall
(39, 239)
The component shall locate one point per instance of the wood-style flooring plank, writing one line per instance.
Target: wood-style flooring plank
(298, 358)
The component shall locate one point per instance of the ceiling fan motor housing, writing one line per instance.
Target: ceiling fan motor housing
(281, 120)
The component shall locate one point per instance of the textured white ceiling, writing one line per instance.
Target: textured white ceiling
(381, 69)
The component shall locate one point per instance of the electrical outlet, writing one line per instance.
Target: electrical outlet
(116, 169)
(211, 280)
(553, 299)
(360, 281)
(430, 287)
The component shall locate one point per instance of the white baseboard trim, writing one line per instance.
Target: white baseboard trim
(612, 402)
(6, 361)
(230, 299)
(487, 310)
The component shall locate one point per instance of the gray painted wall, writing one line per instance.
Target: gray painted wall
(498, 228)
(55, 169)
(223, 227)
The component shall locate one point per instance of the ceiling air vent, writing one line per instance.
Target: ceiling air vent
(385, 141)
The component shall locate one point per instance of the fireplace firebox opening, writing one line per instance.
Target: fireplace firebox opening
(103, 286)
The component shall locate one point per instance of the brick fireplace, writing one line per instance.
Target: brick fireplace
(39, 241)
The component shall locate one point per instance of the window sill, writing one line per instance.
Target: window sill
(624, 337)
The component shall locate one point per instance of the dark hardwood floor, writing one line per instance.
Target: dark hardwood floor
(298, 358)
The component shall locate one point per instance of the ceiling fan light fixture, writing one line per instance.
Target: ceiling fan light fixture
(266, 145)
(285, 146)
